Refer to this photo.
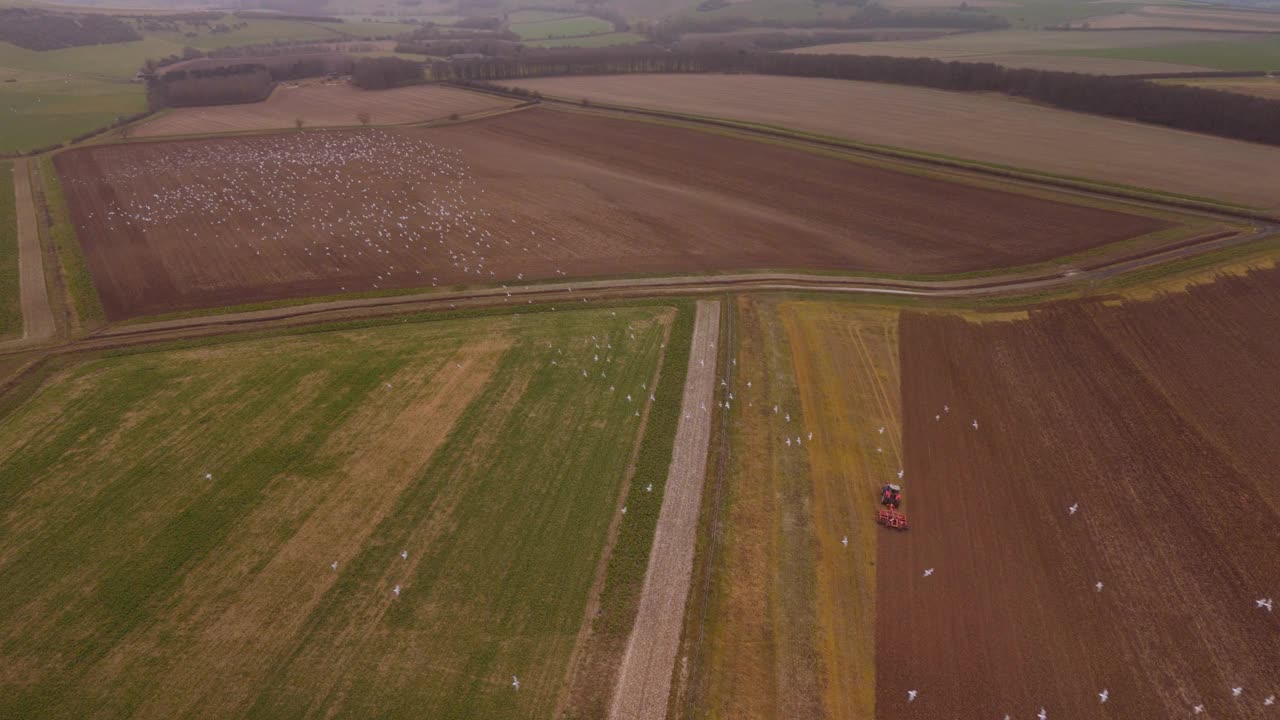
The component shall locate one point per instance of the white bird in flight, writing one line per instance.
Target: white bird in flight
(1265, 603)
(624, 509)
(648, 488)
(1236, 691)
(845, 541)
(334, 566)
(911, 695)
(928, 572)
(1198, 709)
(515, 683)
(1074, 507)
(396, 590)
(404, 554)
(975, 423)
(208, 476)
(881, 429)
(1271, 700)
(1098, 586)
(899, 474)
(1102, 696)
(1044, 714)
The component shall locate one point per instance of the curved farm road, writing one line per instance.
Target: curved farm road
(37, 316)
(644, 680)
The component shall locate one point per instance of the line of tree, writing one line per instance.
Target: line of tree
(873, 15)
(1214, 112)
(40, 30)
(385, 72)
(227, 85)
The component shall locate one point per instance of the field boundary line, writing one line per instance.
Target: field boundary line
(644, 678)
(37, 314)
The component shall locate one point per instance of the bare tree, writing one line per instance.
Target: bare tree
(298, 123)
(363, 117)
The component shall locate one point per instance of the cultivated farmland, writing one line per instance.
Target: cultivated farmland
(1154, 421)
(985, 128)
(814, 430)
(529, 195)
(382, 521)
(324, 104)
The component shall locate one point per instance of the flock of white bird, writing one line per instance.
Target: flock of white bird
(369, 210)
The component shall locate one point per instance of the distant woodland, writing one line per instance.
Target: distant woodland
(40, 30)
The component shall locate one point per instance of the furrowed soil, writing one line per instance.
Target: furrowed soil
(974, 126)
(532, 195)
(323, 104)
(138, 586)
(1158, 419)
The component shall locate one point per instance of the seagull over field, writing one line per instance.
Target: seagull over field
(845, 541)
(911, 695)
(1198, 709)
(208, 476)
(1271, 700)
(1102, 696)
(404, 554)
(1044, 714)
(396, 590)
(881, 429)
(900, 474)
(334, 566)
(928, 572)
(1265, 603)
(975, 423)
(1072, 510)
(515, 683)
(1098, 586)
(1236, 691)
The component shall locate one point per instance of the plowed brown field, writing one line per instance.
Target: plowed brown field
(1159, 420)
(535, 194)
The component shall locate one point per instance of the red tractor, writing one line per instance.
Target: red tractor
(890, 501)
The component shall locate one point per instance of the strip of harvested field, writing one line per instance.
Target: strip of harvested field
(10, 274)
(846, 370)
(319, 105)
(644, 679)
(37, 316)
(752, 645)
(980, 127)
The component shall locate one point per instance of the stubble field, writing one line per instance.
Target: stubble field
(374, 522)
(1154, 421)
(529, 195)
(319, 105)
(980, 127)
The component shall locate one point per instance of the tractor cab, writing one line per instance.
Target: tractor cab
(891, 495)
(891, 499)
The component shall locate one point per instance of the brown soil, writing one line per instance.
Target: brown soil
(1158, 418)
(531, 195)
(975, 126)
(323, 104)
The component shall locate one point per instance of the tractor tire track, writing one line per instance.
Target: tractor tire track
(644, 678)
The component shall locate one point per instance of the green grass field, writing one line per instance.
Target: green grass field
(562, 28)
(1253, 54)
(10, 301)
(135, 586)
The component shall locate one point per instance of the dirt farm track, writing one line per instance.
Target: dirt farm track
(1156, 420)
(538, 194)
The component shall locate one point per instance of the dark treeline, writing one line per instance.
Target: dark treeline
(873, 15)
(385, 72)
(216, 86)
(249, 14)
(446, 47)
(39, 30)
(1230, 115)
